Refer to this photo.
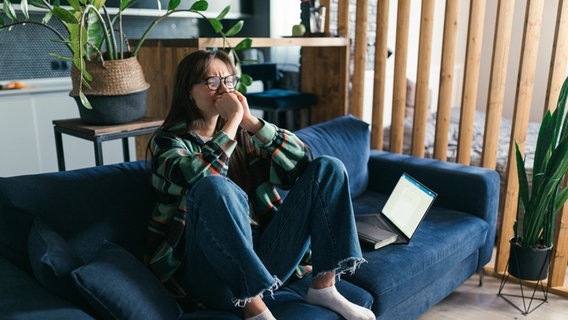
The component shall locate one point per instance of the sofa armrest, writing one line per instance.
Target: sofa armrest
(469, 189)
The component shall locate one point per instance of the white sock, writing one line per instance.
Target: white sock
(330, 298)
(265, 315)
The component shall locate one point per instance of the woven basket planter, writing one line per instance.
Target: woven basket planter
(117, 92)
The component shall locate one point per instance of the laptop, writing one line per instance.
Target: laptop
(403, 212)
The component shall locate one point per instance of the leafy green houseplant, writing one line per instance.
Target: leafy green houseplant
(538, 207)
(95, 39)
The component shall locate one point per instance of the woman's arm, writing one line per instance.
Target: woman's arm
(178, 163)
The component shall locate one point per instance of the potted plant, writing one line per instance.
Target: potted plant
(104, 67)
(538, 207)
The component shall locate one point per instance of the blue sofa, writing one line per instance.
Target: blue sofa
(71, 242)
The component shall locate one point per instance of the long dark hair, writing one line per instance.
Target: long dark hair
(190, 70)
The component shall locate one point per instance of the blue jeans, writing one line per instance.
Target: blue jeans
(227, 263)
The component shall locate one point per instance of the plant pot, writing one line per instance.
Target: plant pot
(108, 110)
(529, 263)
(117, 92)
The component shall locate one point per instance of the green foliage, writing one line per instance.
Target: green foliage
(94, 35)
(538, 207)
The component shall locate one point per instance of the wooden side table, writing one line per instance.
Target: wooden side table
(99, 134)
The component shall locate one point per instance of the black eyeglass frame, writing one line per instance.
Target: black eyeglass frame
(235, 77)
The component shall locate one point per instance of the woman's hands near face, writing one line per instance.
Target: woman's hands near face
(229, 106)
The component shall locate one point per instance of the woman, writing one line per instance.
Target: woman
(220, 232)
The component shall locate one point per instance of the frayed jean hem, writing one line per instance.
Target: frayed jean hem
(348, 265)
(243, 301)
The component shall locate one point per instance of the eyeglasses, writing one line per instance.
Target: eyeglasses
(214, 82)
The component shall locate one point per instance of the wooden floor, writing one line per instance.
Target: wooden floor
(472, 302)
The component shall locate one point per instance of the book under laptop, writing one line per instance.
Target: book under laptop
(403, 212)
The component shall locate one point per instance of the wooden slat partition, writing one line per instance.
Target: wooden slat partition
(523, 99)
(423, 78)
(525, 77)
(359, 59)
(447, 74)
(471, 79)
(379, 77)
(558, 64)
(399, 83)
(500, 57)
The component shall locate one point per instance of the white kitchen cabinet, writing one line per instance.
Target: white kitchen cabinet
(26, 130)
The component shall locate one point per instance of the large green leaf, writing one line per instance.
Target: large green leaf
(173, 4)
(75, 4)
(223, 13)
(9, 10)
(24, 8)
(236, 28)
(38, 4)
(244, 44)
(65, 15)
(201, 5)
(216, 25)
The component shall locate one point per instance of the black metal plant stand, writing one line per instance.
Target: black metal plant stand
(530, 297)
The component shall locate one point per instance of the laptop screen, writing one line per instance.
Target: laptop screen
(407, 204)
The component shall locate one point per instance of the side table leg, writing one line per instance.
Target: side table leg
(59, 150)
(98, 151)
(125, 150)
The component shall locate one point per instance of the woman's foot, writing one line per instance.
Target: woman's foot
(256, 310)
(330, 298)
(265, 315)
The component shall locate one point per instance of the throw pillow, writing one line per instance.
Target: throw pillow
(52, 260)
(119, 286)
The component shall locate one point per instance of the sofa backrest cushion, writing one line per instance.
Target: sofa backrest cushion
(85, 207)
(346, 138)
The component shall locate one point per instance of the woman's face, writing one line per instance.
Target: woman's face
(203, 96)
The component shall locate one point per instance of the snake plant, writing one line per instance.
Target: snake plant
(538, 207)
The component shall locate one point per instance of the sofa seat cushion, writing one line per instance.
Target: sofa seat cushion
(21, 297)
(443, 240)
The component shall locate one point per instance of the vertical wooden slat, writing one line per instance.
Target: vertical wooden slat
(381, 55)
(343, 18)
(499, 62)
(447, 74)
(423, 77)
(523, 98)
(399, 83)
(471, 79)
(559, 57)
(359, 59)
(556, 78)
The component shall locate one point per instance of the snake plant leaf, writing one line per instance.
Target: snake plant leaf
(236, 28)
(561, 199)
(522, 174)
(200, 5)
(544, 145)
(173, 4)
(9, 10)
(223, 13)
